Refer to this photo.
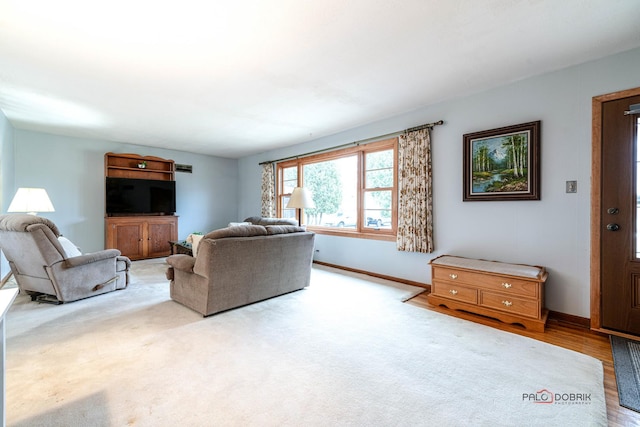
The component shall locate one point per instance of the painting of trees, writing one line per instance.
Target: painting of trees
(504, 160)
(516, 146)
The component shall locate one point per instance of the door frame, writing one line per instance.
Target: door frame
(596, 205)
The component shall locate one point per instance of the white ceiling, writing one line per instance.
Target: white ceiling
(234, 78)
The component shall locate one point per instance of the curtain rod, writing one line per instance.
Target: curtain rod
(362, 141)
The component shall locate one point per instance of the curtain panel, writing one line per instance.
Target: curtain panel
(415, 202)
(268, 198)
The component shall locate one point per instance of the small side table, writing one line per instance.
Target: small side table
(180, 247)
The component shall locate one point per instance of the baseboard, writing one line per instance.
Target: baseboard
(557, 316)
(379, 276)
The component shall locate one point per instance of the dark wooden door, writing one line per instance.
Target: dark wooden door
(620, 197)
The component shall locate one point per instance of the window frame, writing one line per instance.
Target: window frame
(361, 231)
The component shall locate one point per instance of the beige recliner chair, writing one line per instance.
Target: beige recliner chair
(49, 268)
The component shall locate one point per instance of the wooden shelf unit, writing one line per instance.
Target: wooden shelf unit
(140, 236)
(512, 293)
(126, 166)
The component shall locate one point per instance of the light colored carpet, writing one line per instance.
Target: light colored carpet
(344, 352)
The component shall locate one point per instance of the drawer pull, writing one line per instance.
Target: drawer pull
(453, 292)
(453, 276)
(507, 303)
(506, 285)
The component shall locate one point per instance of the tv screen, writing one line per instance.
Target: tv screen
(140, 196)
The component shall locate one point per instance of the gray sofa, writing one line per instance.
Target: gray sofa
(243, 264)
(50, 268)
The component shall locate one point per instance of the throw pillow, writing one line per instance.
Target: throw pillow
(70, 249)
(195, 241)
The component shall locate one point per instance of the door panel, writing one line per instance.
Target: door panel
(620, 267)
(128, 238)
(160, 233)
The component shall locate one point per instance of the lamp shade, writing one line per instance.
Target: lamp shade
(31, 200)
(301, 199)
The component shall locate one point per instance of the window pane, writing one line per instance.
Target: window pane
(382, 178)
(379, 169)
(377, 209)
(333, 184)
(289, 180)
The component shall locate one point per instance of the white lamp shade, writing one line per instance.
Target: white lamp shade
(31, 200)
(301, 199)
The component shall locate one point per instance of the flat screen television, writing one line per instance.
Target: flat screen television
(140, 196)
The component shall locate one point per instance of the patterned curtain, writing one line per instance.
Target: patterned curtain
(268, 209)
(415, 210)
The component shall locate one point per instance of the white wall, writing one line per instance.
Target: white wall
(6, 174)
(72, 171)
(553, 232)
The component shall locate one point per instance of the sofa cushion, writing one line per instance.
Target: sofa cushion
(258, 220)
(284, 229)
(237, 231)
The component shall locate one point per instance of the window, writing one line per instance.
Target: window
(354, 190)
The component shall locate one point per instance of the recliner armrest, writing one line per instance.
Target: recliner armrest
(92, 257)
(182, 262)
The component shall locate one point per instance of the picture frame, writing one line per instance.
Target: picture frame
(502, 164)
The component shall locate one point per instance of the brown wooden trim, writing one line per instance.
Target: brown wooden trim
(379, 276)
(348, 233)
(616, 333)
(596, 206)
(583, 322)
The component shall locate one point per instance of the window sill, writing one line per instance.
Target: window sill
(354, 234)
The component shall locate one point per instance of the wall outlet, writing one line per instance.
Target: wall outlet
(572, 186)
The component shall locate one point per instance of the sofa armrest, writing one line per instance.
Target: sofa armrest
(92, 257)
(182, 262)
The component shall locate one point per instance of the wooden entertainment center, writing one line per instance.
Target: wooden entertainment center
(140, 236)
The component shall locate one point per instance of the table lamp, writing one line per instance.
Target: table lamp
(31, 201)
(300, 199)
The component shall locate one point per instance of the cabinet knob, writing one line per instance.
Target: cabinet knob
(507, 303)
(453, 276)
(506, 285)
(453, 292)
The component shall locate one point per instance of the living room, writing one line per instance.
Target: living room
(554, 232)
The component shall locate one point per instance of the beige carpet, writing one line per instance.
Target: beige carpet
(344, 352)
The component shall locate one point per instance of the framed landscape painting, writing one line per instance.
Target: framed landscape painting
(502, 164)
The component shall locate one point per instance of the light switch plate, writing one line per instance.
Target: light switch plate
(572, 186)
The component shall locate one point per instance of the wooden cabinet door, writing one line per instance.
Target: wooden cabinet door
(128, 237)
(159, 232)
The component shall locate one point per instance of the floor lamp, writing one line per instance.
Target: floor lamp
(300, 199)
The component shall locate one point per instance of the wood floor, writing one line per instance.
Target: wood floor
(573, 337)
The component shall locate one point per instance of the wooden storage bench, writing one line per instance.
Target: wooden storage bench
(512, 293)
